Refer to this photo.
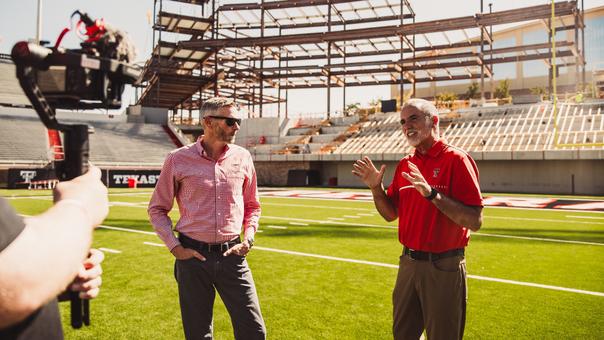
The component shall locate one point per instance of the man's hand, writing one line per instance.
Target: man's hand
(240, 249)
(88, 281)
(368, 173)
(87, 190)
(182, 253)
(417, 180)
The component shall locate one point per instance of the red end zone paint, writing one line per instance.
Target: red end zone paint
(489, 201)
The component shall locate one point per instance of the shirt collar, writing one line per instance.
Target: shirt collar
(434, 151)
(202, 152)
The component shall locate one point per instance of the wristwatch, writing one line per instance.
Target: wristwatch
(250, 240)
(432, 195)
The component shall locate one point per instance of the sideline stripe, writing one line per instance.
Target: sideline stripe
(476, 277)
(108, 250)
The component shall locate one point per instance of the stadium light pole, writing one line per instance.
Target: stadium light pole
(39, 23)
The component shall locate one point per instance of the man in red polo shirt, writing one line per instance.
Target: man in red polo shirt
(436, 197)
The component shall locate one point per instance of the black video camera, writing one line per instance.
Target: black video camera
(91, 77)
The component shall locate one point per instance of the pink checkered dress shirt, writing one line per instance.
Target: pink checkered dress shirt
(215, 198)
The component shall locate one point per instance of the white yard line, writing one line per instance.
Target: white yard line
(476, 277)
(488, 206)
(336, 218)
(351, 216)
(109, 250)
(539, 219)
(154, 244)
(588, 217)
(387, 265)
(298, 223)
(128, 230)
(363, 214)
(540, 239)
(275, 227)
(318, 206)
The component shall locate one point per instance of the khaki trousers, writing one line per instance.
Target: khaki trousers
(430, 295)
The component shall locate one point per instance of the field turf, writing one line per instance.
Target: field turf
(533, 273)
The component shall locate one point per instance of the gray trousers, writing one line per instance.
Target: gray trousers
(197, 285)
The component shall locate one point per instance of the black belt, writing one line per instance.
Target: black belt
(188, 242)
(427, 256)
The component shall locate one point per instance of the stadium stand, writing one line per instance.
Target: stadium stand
(500, 129)
(10, 91)
(19, 147)
(113, 143)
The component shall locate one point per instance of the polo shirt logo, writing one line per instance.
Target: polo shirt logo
(435, 172)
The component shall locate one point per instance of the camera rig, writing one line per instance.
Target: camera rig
(91, 77)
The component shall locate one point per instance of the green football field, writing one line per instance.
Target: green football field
(325, 269)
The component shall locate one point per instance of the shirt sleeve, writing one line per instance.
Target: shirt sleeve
(251, 201)
(162, 202)
(393, 190)
(11, 224)
(466, 188)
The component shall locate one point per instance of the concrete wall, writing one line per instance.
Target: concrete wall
(251, 130)
(154, 115)
(580, 177)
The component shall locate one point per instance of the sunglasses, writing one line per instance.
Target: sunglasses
(228, 120)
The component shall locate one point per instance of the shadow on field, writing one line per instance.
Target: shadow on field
(566, 235)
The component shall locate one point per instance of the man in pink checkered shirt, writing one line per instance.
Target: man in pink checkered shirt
(214, 183)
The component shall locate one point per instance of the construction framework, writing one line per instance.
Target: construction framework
(256, 52)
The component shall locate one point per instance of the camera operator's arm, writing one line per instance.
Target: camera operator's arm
(49, 252)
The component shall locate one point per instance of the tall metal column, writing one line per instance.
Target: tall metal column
(402, 76)
(215, 36)
(492, 77)
(39, 23)
(481, 56)
(261, 58)
(329, 61)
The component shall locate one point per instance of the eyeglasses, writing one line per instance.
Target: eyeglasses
(228, 120)
(412, 119)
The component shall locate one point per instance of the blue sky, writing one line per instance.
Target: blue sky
(18, 22)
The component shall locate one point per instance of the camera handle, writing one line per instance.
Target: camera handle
(74, 164)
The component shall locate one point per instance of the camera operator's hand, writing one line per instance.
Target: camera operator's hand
(88, 281)
(86, 192)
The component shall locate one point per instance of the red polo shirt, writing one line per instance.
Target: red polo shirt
(421, 226)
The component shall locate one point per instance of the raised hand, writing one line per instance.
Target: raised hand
(368, 173)
(417, 180)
